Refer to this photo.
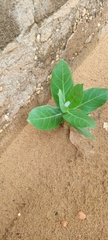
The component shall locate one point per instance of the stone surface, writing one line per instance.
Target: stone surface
(86, 29)
(9, 28)
(44, 8)
(16, 73)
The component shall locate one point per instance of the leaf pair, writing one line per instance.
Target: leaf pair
(73, 104)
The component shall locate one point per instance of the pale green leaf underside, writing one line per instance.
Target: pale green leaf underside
(85, 132)
(93, 99)
(61, 79)
(78, 118)
(45, 117)
(61, 101)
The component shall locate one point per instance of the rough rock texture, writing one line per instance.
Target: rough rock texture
(9, 28)
(38, 34)
(44, 8)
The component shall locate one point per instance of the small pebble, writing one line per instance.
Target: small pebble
(84, 12)
(88, 40)
(105, 125)
(77, 15)
(5, 72)
(90, 18)
(38, 38)
(99, 24)
(52, 62)
(81, 215)
(39, 85)
(74, 28)
(38, 92)
(57, 58)
(76, 54)
(35, 58)
(37, 89)
(6, 117)
(56, 213)
(19, 214)
(6, 125)
(49, 78)
(64, 223)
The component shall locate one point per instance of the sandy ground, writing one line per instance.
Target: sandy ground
(44, 179)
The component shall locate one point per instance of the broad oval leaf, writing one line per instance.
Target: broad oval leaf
(85, 132)
(78, 118)
(75, 96)
(45, 117)
(61, 79)
(93, 99)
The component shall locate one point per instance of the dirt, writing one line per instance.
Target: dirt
(45, 180)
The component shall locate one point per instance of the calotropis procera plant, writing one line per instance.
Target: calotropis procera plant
(73, 104)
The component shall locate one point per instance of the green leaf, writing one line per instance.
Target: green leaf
(78, 118)
(61, 101)
(63, 106)
(85, 132)
(61, 79)
(93, 99)
(75, 96)
(45, 117)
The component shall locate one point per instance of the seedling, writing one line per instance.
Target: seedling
(73, 104)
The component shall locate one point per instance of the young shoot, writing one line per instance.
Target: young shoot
(73, 104)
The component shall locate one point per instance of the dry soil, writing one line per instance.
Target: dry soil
(44, 179)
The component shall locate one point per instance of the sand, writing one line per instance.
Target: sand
(44, 179)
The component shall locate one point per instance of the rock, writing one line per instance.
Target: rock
(57, 58)
(105, 125)
(90, 18)
(35, 58)
(45, 8)
(77, 15)
(38, 38)
(39, 85)
(76, 54)
(5, 72)
(38, 92)
(75, 27)
(88, 40)
(24, 15)
(9, 28)
(6, 117)
(99, 25)
(84, 12)
(46, 34)
(42, 88)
